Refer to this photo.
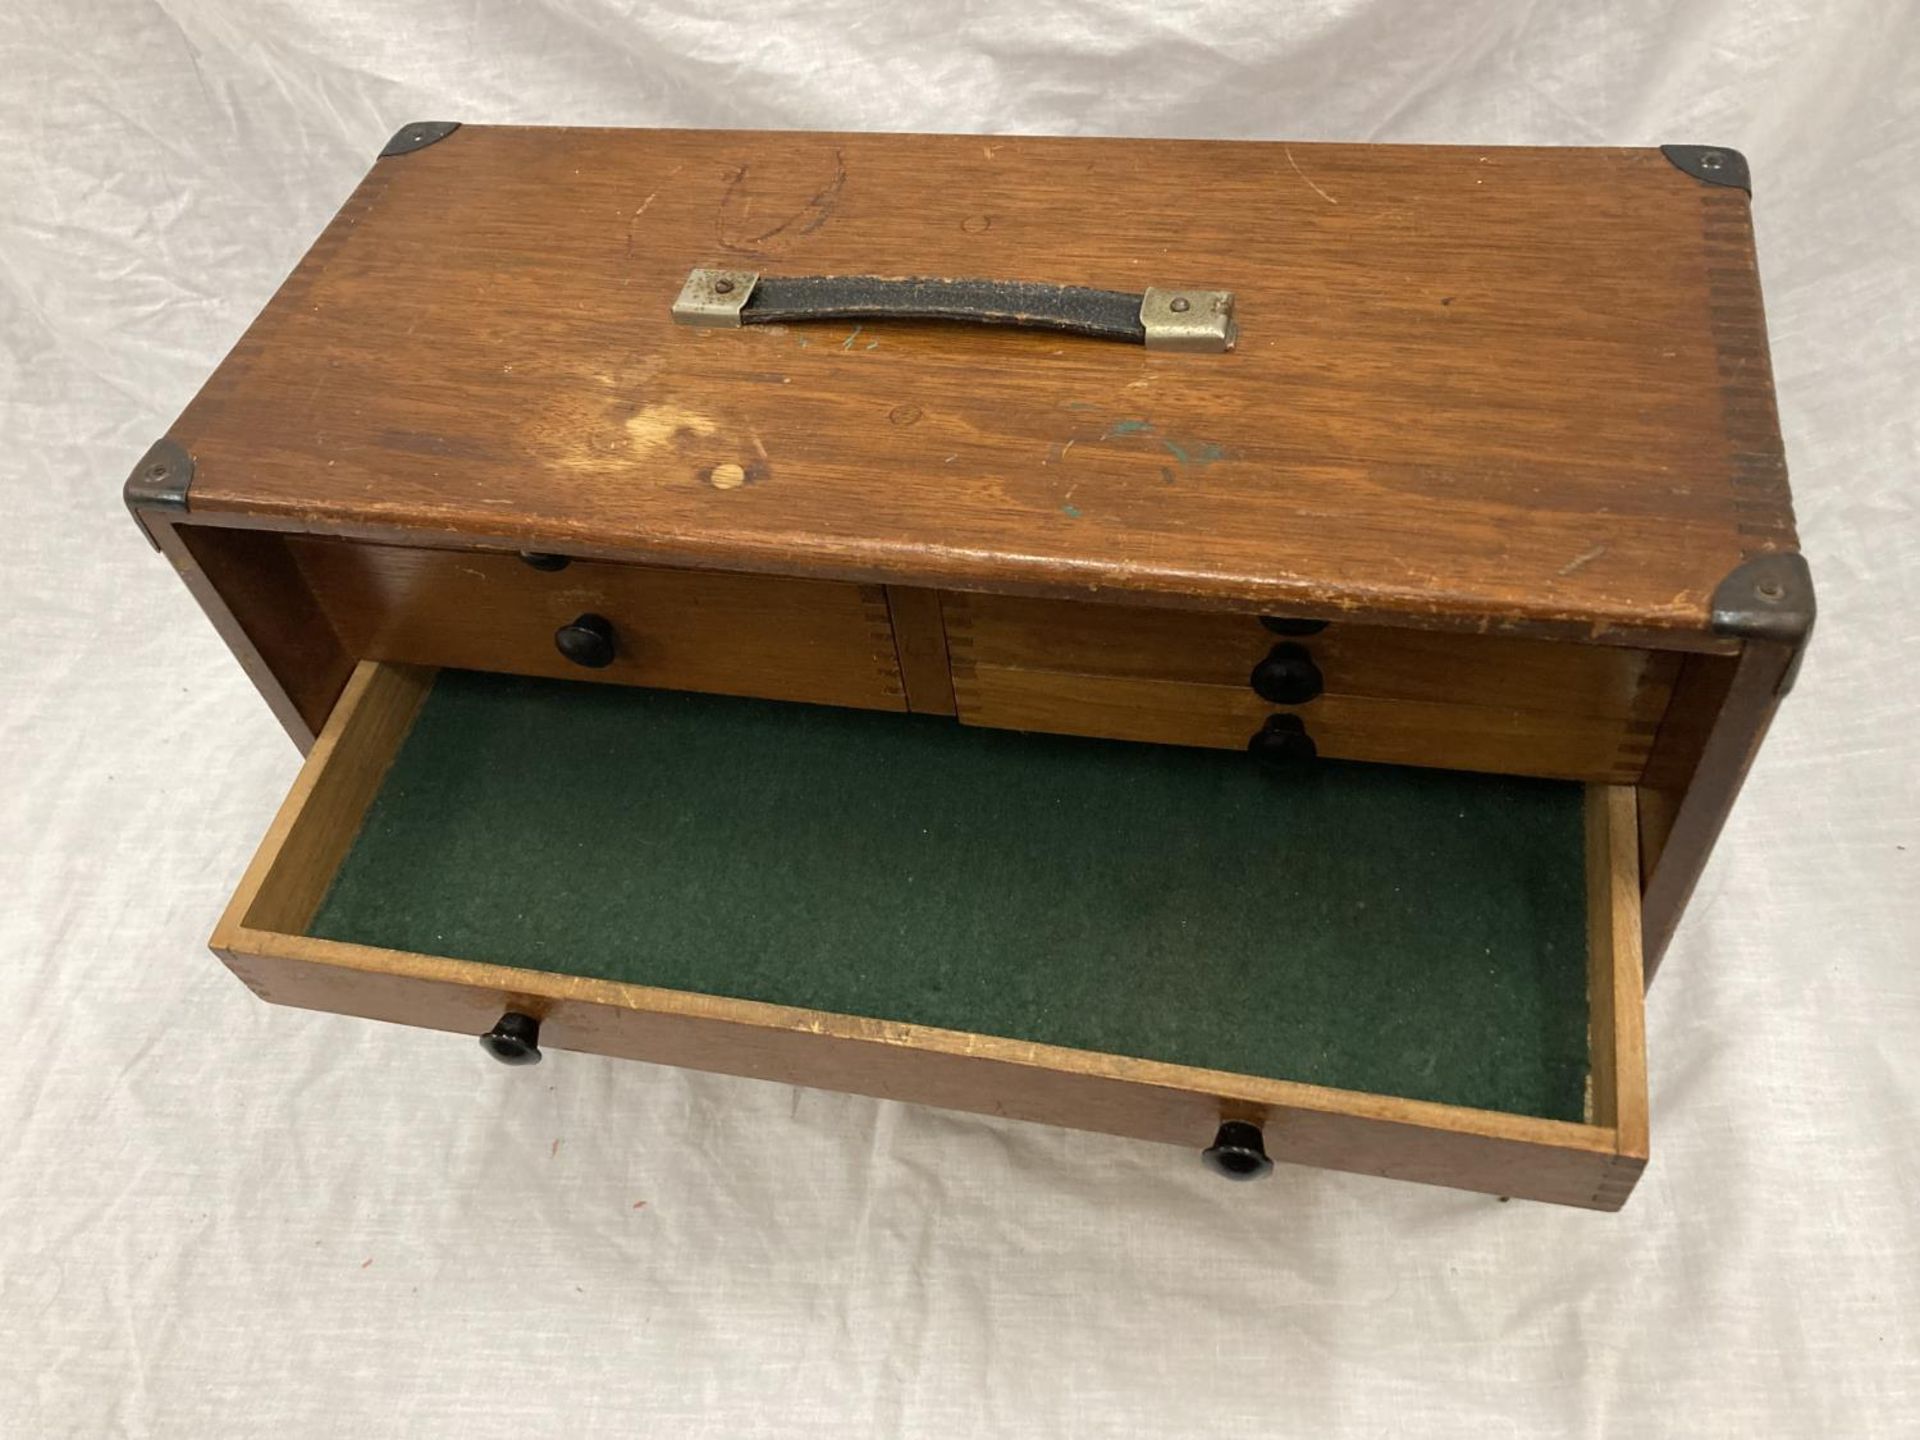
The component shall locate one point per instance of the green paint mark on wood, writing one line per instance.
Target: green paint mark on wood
(1202, 456)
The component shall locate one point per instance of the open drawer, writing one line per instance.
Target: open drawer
(1410, 973)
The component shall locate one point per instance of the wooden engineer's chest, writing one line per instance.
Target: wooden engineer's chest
(1240, 645)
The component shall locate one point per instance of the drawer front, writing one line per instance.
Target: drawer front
(264, 939)
(759, 635)
(1397, 696)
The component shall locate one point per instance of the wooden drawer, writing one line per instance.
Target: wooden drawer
(1409, 697)
(731, 634)
(782, 887)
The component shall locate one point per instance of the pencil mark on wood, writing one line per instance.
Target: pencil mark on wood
(740, 231)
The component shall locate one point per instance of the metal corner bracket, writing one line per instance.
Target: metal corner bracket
(418, 135)
(1768, 597)
(1714, 164)
(159, 482)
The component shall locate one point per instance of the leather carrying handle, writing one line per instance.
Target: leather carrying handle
(1194, 320)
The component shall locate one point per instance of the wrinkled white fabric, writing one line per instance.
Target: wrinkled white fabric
(218, 1217)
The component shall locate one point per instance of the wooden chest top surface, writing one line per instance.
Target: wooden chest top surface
(1485, 388)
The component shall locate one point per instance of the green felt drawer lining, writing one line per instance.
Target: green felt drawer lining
(1407, 932)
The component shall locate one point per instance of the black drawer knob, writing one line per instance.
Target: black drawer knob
(1287, 676)
(1285, 625)
(587, 640)
(1282, 741)
(1238, 1152)
(544, 560)
(515, 1040)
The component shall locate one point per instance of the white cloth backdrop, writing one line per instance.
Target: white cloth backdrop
(221, 1218)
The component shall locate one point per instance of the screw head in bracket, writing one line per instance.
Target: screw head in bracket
(159, 480)
(1187, 319)
(417, 135)
(1765, 597)
(1712, 164)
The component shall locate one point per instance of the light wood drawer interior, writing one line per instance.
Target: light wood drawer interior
(1409, 697)
(1407, 973)
(730, 634)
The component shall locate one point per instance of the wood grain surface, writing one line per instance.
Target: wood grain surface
(1591, 681)
(315, 825)
(920, 641)
(1722, 712)
(1511, 389)
(761, 635)
(247, 584)
(1343, 727)
(1409, 697)
(1615, 986)
(1591, 1165)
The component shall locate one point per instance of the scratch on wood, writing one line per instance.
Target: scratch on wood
(1582, 560)
(633, 220)
(1303, 177)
